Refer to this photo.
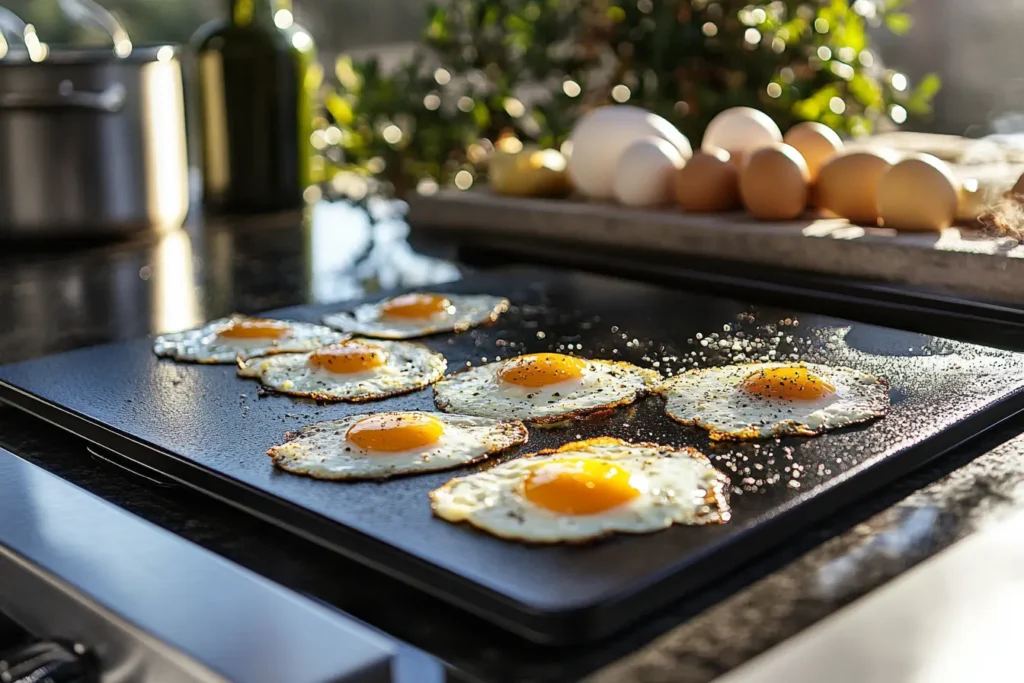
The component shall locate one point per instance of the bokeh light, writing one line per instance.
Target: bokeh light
(392, 134)
(463, 180)
(283, 19)
(514, 107)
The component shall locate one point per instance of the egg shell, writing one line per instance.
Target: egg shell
(740, 131)
(816, 142)
(600, 137)
(983, 187)
(644, 174)
(774, 183)
(708, 183)
(530, 172)
(1018, 187)
(847, 185)
(919, 194)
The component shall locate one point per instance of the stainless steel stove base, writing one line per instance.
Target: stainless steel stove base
(154, 607)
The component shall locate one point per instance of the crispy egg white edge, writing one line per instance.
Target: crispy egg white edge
(446, 393)
(485, 309)
(435, 365)
(498, 436)
(193, 345)
(879, 404)
(716, 496)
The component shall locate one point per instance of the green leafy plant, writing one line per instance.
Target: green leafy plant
(522, 71)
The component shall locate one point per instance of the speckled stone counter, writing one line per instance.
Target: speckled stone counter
(833, 574)
(56, 300)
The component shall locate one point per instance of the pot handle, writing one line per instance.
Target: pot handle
(109, 101)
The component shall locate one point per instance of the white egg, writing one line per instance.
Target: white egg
(760, 400)
(238, 336)
(356, 370)
(586, 490)
(645, 173)
(382, 445)
(418, 314)
(600, 137)
(739, 131)
(543, 388)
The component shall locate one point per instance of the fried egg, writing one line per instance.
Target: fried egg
(355, 370)
(772, 399)
(588, 489)
(382, 445)
(226, 339)
(543, 387)
(419, 314)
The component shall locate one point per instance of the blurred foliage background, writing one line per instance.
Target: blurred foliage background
(511, 72)
(506, 72)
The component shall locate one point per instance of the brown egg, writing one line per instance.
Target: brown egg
(816, 142)
(708, 183)
(918, 194)
(1018, 188)
(774, 183)
(847, 184)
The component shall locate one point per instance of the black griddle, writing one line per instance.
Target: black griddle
(206, 428)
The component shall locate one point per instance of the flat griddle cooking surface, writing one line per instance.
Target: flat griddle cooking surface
(209, 429)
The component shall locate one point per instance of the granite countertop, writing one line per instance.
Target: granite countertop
(52, 301)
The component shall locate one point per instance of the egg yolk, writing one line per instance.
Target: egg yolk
(394, 433)
(348, 358)
(254, 329)
(415, 306)
(791, 384)
(541, 369)
(579, 487)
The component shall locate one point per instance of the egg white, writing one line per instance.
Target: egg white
(204, 345)
(321, 451)
(714, 399)
(408, 367)
(677, 487)
(466, 311)
(604, 385)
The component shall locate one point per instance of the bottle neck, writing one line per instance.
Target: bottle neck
(245, 12)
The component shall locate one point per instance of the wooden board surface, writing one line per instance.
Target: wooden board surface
(957, 259)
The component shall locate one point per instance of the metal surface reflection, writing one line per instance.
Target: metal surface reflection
(352, 255)
(156, 607)
(52, 301)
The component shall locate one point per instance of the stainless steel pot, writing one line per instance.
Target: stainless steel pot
(92, 143)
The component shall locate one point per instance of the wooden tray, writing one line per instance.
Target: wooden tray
(957, 260)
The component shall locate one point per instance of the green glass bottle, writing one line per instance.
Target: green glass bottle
(255, 107)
